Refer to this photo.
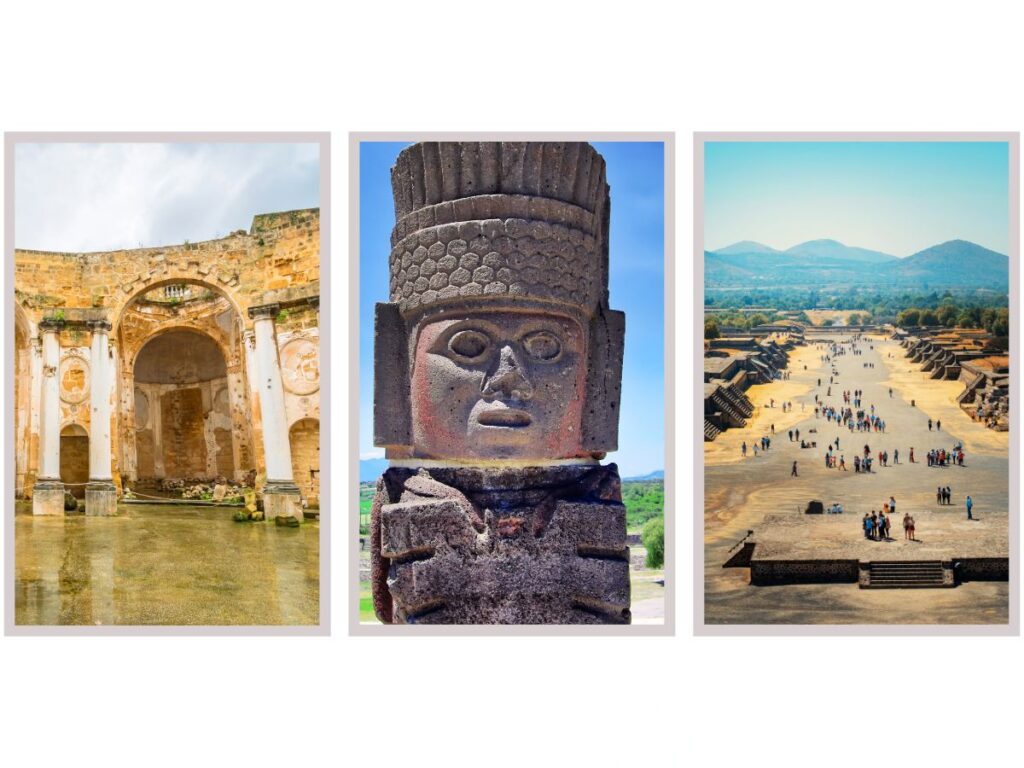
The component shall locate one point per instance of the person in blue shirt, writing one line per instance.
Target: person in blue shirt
(970, 506)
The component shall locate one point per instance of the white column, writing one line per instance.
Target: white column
(48, 491)
(49, 423)
(99, 401)
(276, 448)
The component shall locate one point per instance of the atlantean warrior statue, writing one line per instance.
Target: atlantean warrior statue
(497, 372)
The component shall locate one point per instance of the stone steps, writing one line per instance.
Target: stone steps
(710, 431)
(906, 575)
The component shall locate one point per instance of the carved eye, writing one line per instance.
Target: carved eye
(543, 345)
(469, 344)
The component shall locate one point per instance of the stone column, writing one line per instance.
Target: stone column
(100, 493)
(48, 494)
(280, 494)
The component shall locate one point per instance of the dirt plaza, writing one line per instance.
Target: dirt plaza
(759, 493)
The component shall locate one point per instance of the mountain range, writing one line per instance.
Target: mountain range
(817, 263)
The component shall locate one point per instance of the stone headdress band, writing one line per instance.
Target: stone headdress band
(514, 221)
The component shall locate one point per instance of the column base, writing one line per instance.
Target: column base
(100, 498)
(48, 497)
(282, 499)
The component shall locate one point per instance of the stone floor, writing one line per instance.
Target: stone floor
(741, 494)
(158, 565)
(940, 535)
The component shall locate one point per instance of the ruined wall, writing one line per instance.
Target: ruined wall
(275, 262)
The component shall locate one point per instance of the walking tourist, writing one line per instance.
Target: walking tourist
(743, 448)
(970, 506)
(793, 473)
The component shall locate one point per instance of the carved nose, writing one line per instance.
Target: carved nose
(509, 378)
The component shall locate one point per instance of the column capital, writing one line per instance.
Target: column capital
(99, 326)
(265, 311)
(51, 325)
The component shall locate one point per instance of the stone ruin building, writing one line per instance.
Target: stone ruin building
(972, 356)
(197, 361)
(497, 373)
(732, 363)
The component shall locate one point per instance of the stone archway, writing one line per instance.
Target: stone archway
(304, 437)
(74, 459)
(183, 401)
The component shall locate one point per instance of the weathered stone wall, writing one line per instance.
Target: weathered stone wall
(772, 572)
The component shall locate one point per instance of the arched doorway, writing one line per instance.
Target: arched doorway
(74, 459)
(183, 394)
(182, 412)
(304, 437)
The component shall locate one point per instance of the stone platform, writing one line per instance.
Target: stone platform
(815, 549)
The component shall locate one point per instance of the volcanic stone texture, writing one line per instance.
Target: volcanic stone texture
(541, 545)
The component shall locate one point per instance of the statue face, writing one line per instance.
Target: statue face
(498, 384)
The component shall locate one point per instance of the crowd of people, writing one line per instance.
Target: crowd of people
(859, 416)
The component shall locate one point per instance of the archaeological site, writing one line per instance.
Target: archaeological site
(172, 388)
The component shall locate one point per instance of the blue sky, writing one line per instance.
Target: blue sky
(97, 197)
(635, 173)
(896, 197)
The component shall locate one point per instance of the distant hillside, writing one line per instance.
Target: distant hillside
(957, 262)
(819, 263)
(836, 251)
(746, 246)
(658, 474)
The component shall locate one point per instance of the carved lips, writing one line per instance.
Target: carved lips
(503, 416)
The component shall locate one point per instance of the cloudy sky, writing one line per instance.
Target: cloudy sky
(898, 197)
(97, 197)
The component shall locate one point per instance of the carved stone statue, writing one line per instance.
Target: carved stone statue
(497, 371)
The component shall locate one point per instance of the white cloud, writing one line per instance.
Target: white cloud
(94, 197)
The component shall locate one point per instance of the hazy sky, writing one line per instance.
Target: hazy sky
(97, 197)
(635, 173)
(896, 197)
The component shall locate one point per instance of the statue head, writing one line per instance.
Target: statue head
(498, 342)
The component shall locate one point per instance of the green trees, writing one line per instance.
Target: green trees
(909, 317)
(1001, 323)
(711, 330)
(653, 537)
(947, 314)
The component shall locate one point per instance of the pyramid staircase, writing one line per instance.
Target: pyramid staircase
(909, 574)
(710, 431)
(733, 415)
(740, 401)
